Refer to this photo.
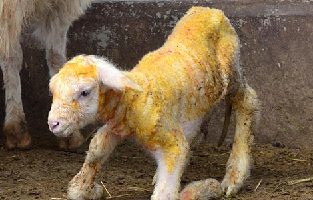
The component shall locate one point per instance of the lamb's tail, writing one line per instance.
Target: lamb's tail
(228, 109)
(227, 49)
(202, 190)
(227, 115)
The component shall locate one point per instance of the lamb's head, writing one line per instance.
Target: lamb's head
(77, 89)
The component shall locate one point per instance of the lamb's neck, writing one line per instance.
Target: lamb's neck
(109, 101)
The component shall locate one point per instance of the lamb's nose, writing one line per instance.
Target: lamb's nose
(54, 125)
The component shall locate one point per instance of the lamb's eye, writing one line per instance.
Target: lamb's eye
(84, 93)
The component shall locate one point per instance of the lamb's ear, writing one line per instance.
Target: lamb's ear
(111, 77)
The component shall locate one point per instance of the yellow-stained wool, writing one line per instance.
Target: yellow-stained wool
(176, 85)
(180, 81)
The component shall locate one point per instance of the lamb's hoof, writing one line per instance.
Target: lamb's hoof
(229, 189)
(76, 192)
(17, 136)
(202, 190)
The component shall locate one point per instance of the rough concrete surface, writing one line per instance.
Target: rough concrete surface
(277, 55)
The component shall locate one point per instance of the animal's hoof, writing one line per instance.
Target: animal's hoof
(75, 140)
(79, 192)
(17, 136)
(63, 144)
(202, 190)
(229, 190)
(98, 191)
(71, 143)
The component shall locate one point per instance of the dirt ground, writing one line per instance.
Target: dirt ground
(44, 173)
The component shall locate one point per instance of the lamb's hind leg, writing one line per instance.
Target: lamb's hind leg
(15, 128)
(238, 167)
(55, 39)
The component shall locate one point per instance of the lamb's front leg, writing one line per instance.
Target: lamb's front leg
(171, 160)
(83, 185)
